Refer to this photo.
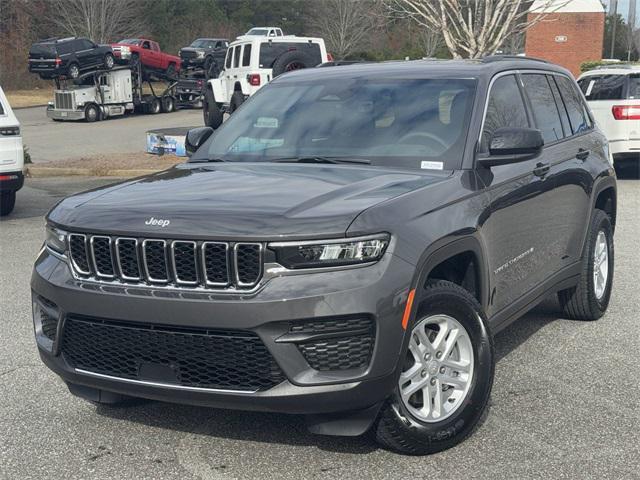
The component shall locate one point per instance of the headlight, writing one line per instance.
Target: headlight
(200, 54)
(330, 253)
(125, 49)
(56, 239)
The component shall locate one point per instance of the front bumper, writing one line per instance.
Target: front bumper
(378, 291)
(192, 61)
(59, 114)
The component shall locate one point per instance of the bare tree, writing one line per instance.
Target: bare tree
(474, 28)
(430, 40)
(345, 24)
(101, 20)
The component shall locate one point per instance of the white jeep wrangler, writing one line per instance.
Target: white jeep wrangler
(251, 63)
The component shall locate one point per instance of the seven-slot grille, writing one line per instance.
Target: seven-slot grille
(64, 100)
(184, 263)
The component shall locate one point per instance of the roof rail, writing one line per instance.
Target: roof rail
(627, 66)
(499, 58)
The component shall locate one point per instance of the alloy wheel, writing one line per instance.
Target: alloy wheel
(600, 265)
(438, 369)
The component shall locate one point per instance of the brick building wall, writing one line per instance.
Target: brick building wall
(567, 39)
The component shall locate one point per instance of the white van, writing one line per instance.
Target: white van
(11, 157)
(613, 94)
(251, 63)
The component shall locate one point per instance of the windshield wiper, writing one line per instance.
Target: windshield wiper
(317, 159)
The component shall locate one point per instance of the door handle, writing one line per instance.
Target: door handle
(541, 169)
(582, 154)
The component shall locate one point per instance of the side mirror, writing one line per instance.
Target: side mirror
(512, 145)
(196, 138)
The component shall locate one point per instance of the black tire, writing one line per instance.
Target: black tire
(397, 428)
(91, 113)
(292, 60)
(155, 106)
(211, 111)
(208, 62)
(7, 203)
(108, 61)
(237, 99)
(171, 70)
(168, 104)
(581, 302)
(134, 60)
(74, 71)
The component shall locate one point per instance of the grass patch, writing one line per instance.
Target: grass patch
(29, 98)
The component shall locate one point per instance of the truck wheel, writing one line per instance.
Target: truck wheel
(108, 61)
(74, 70)
(7, 202)
(237, 99)
(91, 113)
(590, 298)
(168, 104)
(211, 111)
(155, 106)
(292, 60)
(446, 377)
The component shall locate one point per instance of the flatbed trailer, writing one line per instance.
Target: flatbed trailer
(101, 94)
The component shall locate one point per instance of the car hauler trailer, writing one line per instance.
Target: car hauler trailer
(102, 94)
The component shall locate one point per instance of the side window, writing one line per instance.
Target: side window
(246, 55)
(505, 109)
(566, 126)
(634, 86)
(236, 56)
(227, 62)
(86, 44)
(576, 110)
(146, 45)
(545, 110)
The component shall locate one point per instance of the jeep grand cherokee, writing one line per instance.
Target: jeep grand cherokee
(345, 246)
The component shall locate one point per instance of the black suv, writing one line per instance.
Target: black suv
(68, 57)
(204, 52)
(345, 246)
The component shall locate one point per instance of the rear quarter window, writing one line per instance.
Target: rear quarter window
(576, 110)
(634, 86)
(269, 51)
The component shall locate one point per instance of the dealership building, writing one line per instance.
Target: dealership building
(571, 32)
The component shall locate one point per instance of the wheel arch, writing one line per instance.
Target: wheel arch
(605, 198)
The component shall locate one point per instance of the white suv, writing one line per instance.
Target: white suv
(613, 93)
(11, 157)
(252, 62)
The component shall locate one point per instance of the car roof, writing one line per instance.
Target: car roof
(626, 69)
(283, 39)
(486, 67)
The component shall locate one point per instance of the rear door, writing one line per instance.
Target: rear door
(85, 53)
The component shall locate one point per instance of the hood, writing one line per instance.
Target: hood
(192, 49)
(250, 201)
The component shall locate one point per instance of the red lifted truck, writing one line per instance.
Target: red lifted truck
(147, 52)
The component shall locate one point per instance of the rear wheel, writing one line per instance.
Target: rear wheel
(237, 99)
(211, 111)
(7, 203)
(590, 298)
(74, 70)
(108, 61)
(91, 113)
(446, 377)
(168, 104)
(155, 106)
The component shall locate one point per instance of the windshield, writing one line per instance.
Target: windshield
(412, 123)
(257, 31)
(201, 43)
(130, 41)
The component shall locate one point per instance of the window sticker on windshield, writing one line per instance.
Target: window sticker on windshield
(266, 122)
(589, 88)
(425, 165)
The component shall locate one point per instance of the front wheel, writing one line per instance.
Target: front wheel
(91, 113)
(171, 70)
(590, 298)
(108, 61)
(237, 99)
(212, 114)
(446, 376)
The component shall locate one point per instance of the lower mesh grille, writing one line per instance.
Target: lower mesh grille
(338, 353)
(228, 360)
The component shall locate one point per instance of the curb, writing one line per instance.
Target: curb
(35, 171)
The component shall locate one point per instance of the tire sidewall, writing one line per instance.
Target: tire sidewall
(108, 59)
(237, 99)
(7, 202)
(210, 111)
(441, 435)
(74, 68)
(600, 222)
(88, 117)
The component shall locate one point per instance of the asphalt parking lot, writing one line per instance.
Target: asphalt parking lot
(566, 400)
(49, 141)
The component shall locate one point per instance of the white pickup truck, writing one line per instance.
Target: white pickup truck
(253, 61)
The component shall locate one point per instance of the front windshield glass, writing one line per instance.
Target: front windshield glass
(419, 123)
(201, 43)
(130, 41)
(257, 31)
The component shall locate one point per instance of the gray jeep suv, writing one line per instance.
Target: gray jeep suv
(343, 247)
